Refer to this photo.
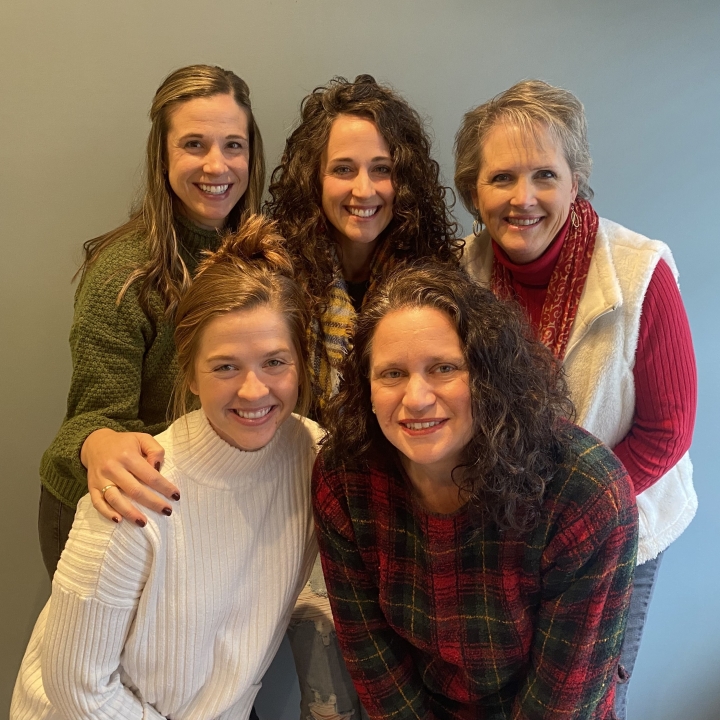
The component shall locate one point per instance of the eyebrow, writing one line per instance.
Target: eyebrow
(455, 360)
(270, 353)
(347, 159)
(201, 135)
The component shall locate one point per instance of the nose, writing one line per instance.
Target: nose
(214, 161)
(363, 186)
(252, 387)
(524, 194)
(419, 394)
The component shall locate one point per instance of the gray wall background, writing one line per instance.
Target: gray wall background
(76, 80)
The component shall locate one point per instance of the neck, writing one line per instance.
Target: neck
(356, 259)
(435, 488)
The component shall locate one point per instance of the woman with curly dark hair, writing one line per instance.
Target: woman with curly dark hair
(478, 548)
(356, 192)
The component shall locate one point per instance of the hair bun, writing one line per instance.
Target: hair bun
(256, 243)
(365, 79)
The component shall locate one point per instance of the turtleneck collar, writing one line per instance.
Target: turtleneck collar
(201, 454)
(194, 239)
(538, 272)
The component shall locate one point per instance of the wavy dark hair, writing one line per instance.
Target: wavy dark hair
(518, 393)
(422, 225)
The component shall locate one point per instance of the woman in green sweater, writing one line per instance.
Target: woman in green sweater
(205, 172)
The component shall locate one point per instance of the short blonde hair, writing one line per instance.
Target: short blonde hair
(250, 270)
(528, 104)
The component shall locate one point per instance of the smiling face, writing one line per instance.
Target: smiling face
(524, 190)
(246, 376)
(208, 156)
(420, 390)
(357, 189)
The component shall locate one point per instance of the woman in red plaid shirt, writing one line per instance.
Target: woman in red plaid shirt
(478, 548)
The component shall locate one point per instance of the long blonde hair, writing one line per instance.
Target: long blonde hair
(154, 219)
(251, 269)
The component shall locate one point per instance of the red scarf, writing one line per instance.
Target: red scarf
(566, 282)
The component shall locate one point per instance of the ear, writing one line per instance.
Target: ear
(575, 186)
(192, 386)
(474, 196)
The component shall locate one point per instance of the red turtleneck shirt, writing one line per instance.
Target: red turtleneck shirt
(664, 372)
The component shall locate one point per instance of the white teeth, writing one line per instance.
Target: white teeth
(213, 189)
(523, 221)
(362, 212)
(422, 425)
(252, 414)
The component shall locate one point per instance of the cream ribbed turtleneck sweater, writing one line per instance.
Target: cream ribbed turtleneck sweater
(179, 619)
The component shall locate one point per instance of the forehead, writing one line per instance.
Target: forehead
(220, 111)
(244, 332)
(414, 333)
(351, 135)
(508, 143)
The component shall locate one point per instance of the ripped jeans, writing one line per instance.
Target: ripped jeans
(326, 690)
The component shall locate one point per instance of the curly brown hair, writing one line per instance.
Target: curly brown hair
(422, 225)
(518, 393)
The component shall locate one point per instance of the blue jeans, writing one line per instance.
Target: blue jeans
(326, 690)
(643, 585)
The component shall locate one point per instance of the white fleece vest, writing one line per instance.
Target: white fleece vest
(599, 364)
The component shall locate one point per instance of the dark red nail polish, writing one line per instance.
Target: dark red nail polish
(115, 519)
(175, 496)
(167, 511)
(157, 466)
(140, 523)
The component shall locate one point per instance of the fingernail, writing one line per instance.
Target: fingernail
(140, 523)
(167, 511)
(115, 519)
(175, 496)
(157, 466)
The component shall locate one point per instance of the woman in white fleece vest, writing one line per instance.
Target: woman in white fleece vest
(604, 299)
(181, 619)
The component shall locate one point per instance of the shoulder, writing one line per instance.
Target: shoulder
(590, 478)
(620, 241)
(101, 558)
(126, 252)
(98, 291)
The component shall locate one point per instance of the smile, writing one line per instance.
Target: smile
(522, 222)
(253, 414)
(421, 425)
(213, 189)
(362, 212)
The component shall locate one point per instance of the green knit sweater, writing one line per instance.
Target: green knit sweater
(124, 360)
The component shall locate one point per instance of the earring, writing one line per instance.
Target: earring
(478, 226)
(372, 407)
(574, 219)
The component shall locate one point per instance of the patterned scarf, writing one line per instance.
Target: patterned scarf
(566, 282)
(328, 335)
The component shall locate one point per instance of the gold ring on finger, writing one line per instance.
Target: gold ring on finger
(107, 487)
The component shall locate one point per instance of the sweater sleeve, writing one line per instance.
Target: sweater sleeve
(108, 343)
(377, 658)
(587, 571)
(95, 595)
(665, 385)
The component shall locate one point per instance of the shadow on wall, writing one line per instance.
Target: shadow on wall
(692, 696)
